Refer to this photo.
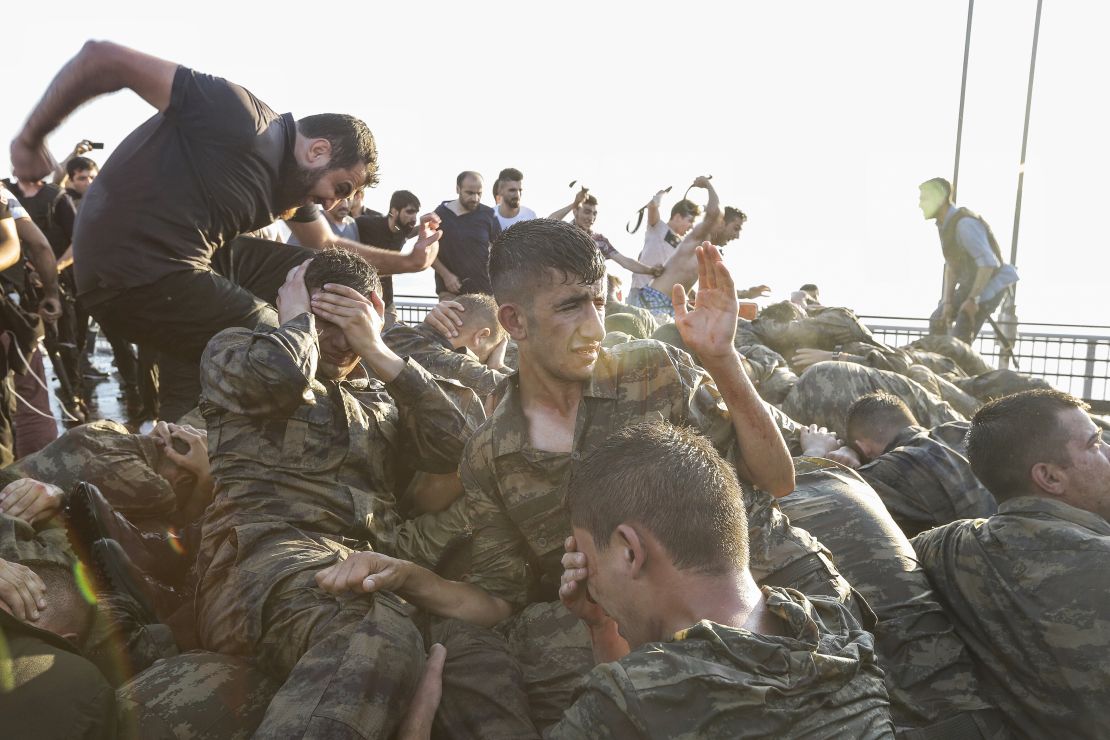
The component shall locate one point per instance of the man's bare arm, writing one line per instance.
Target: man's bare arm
(712, 212)
(42, 259)
(580, 196)
(9, 243)
(635, 265)
(100, 67)
(315, 234)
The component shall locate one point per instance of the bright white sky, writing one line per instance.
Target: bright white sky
(818, 119)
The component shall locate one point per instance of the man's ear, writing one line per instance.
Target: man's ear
(513, 318)
(482, 333)
(633, 553)
(318, 153)
(1049, 478)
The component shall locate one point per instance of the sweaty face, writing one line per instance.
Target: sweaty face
(566, 323)
(1088, 470)
(932, 200)
(510, 192)
(681, 225)
(81, 180)
(470, 193)
(585, 215)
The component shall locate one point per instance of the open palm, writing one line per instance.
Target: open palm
(708, 330)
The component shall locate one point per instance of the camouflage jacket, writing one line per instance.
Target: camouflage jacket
(435, 354)
(1027, 591)
(713, 681)
(514, 492)
(122, 465)
(925, 483)
(288, 450)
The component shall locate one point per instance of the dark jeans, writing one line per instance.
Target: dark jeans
(964, 328)
(177, 314)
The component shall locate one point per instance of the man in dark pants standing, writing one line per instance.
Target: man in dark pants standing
(144, 242)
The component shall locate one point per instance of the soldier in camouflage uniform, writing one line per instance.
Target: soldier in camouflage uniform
(304, 447)
(1027, 588)
(472, 352)
(923, 481)
(929, 675)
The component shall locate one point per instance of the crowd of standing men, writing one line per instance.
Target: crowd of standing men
(546, 509)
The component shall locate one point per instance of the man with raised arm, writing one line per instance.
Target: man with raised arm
(214, 162)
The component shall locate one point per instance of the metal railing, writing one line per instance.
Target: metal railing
(1072, 357)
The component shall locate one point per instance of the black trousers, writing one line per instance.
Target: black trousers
(964, 328)
(177, 314)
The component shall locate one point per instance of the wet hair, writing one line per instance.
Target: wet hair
(67, 610)
(510, 174)
(782, 311)
(941, 183)
(80, 164)
(402, 199)
(481, 313)
(343, 268)
(1009, 435)
(671, 482)
(350, 139)
(685, 208)
(525, 254)
(878, 416)
(465, 174)
(731, 214)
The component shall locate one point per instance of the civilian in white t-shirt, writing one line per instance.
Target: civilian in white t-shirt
(508, 189)
(662, 238)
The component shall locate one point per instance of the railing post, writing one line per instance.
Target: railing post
(1089, 369)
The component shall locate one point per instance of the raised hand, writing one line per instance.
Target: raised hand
(426, 249)
(709, 329)
(293, 298)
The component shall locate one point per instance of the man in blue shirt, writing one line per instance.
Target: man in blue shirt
(469, 227)
(975, 276)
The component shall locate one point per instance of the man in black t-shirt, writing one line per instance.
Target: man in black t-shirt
(390, 232)
(144, 242)
(468, 229)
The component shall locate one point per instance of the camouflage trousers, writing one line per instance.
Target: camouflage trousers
(826, 390)
(195, 695)
(928, 670)
(349, 663)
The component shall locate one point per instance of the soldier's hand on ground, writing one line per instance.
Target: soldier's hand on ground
(806, 356)
(293, 298)
(417, 723)
(572, 588)
(22, 592)
(846, 456)
(426, 249)
(709, 329)
(355, 314)
(30, 500)
(817, 441)
(445, 317)
(364, 572)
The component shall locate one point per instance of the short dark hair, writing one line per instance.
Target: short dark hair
(782, 311)
(731, 214)
(809, 288)
(878, 414)
(343, 268)
(70, 603)
(521, 257)
(350, 139)
(510, 174)
(1009, 435)
(402, 199)
(465, 174)
(80, 164)
(672, 482)
(589, 200)
(940, 182)
(685, 208)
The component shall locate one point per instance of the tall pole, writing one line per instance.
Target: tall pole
(963, 94)
(1009, 307)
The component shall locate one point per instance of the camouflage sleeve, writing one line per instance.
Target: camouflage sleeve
(261, 373)
(19, 543)
(424, 539)
(464, 368)
(498, 564)
(603, 709)
(437, 416)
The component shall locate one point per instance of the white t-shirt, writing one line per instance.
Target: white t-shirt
(656, 251)
(17, 209)
(525, 214)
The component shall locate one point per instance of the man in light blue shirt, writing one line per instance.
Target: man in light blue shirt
(975, 275)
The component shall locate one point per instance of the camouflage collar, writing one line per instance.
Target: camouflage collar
(1057, 510)
(903, 437)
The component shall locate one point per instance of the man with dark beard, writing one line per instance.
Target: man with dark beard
(213, 163)
(509, 186)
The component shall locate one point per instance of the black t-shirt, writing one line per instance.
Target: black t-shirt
(182, 184)
(375, 231)
(464, 246)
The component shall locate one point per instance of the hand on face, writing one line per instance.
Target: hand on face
(358, 317)
(709, 329)
(572, 589)
(293, 298)
(817, 441)
(22, 592)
